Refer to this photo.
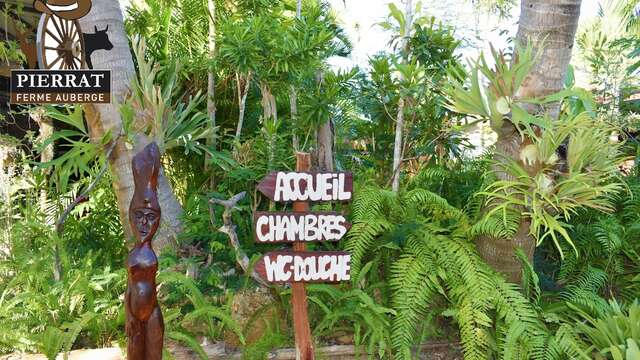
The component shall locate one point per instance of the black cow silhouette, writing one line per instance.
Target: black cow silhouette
(96, 41)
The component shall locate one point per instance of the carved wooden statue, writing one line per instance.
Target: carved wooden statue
(144, 326)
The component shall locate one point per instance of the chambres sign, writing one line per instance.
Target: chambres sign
(283, 227)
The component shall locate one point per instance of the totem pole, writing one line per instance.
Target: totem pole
(144, 324)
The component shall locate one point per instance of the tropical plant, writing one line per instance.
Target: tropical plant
(614, 335)
(556, 168)
(422, 244)
(606, 46)
(354, 310)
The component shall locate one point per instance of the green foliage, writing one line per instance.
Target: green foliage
(80, 152)
(433, 134)
(547, 189)
(84, 305)
(416, 273)
(271, 339)
(158, 109)
(606, 46)
(353, 310)
(432, 260)
(495, 101)
(10, 52)
(185, 322)
(606, 264)
(614, 335)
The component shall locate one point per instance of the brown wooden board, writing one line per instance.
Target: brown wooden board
(309, 267)
(307, 186)
(286, 227)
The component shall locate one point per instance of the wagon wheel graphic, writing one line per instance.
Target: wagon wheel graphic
(60, 44)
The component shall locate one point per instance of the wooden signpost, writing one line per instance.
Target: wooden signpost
(300, 227)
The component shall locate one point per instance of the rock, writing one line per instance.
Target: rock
(256, 312)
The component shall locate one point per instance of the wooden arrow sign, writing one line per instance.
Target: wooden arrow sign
(307, 186)
(309, 267)
(284, 227)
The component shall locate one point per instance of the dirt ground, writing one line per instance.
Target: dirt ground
(217, 351)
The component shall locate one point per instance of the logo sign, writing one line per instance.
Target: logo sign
(283, 227)
(60, 86)
(59, 64)
(301, 186)
(307, 267)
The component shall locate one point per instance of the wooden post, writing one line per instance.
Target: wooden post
(302, 330)
(299, 266)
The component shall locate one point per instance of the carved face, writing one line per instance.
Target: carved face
(146, 222)
(144, 210)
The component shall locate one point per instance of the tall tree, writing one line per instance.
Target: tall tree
(405, 33)
(103, 118)
(293, 93)
(323, 154)
(211, 79)
(550, 27)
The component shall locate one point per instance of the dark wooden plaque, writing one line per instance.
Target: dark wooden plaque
(286, 227)
(307, 267)
(307, 186)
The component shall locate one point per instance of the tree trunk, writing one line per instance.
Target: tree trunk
(293, 103)
(7, 176)
(550, 27)
(243, 91)
(397, 147)
(269, 106)
(106, 117)
(293, 94)
(324, 153)
(46, 130)
(211, 84)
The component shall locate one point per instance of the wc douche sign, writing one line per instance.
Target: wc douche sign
(298, 228)
(308, 267)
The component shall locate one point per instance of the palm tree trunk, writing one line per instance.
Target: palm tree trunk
(550, 27)
(7, 175)
(46, 130)
(102, 118)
